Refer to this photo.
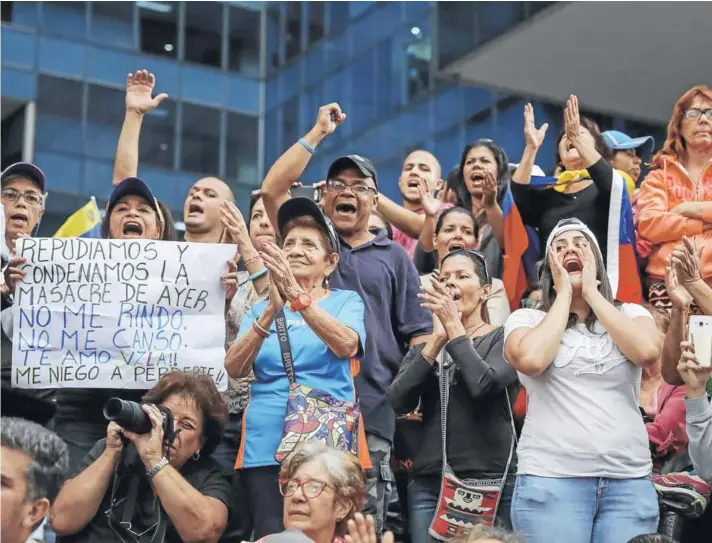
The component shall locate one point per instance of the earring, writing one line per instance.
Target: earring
(196, 456)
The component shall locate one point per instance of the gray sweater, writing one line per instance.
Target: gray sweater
(699, 432)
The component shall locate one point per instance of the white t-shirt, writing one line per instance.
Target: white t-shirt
(582, 417)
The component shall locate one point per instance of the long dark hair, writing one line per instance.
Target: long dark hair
(450, 211)
(503, 175)
(548, 293)
(480, 264)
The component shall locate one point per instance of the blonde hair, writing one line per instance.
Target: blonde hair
(344, 470)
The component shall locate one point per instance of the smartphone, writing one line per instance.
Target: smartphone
(307, 191)
(699, 330)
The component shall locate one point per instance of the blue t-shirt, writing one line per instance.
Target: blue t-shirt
(314, 366)
(383, 274)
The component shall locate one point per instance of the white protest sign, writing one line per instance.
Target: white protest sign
(118, 313)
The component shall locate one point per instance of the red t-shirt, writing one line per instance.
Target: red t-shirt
(408, 243)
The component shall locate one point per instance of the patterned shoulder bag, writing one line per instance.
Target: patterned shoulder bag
(463, 505)
(313, 415)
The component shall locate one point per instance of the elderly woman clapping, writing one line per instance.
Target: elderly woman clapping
(325, 331)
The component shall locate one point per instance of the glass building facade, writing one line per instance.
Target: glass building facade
(245, 80)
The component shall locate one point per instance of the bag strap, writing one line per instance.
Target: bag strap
(443, 358)
(284, 347)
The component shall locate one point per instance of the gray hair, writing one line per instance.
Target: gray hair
(480, 533)
(49, 459)
(344, 470)
(15, 176)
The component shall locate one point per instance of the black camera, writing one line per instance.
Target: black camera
(130, 416)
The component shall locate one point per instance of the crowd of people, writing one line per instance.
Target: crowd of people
(504, 356)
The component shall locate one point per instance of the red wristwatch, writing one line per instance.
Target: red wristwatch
(302, 302)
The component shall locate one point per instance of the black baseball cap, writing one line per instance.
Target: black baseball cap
(364, 165)
(26, 169)
(306, 207)
(132, 185)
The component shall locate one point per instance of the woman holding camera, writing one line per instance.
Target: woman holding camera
(172, 492)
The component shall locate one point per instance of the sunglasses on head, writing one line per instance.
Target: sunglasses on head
(474, 255)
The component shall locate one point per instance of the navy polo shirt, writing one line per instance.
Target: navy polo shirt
(385, 277)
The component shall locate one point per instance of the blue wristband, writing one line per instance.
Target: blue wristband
(306, 145)
(257, 275)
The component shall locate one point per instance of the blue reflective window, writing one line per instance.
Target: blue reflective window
(293, 38)
(447, 109)
(337, 15)
(337, 50)
(494, 18)
(274, 15)
(97, 177)
(67, 19)
(290, 121)
(200, 140)
(475, 99)
(104, 117)
(156, 145)
(271, 93)
(244, 42)
(418, 51)
(203, 85)
(290, 81)
(62, 57)
(448, 148)
(59, 115)
(314, 61)
(363, 83)
(315, 21)
(18, 84)
(21, 13)
(242, 143)
(272, 141)
(112, 22)
(18, 47)
(416, 10)
(243, 94)
(357, 8)
(112, 66)
(456, 36)
(66, 172)
(203, 33)
(509, 132)
(158, 28)
(386, 86)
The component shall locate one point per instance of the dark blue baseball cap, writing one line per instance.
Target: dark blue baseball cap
(306, 207)
(618, 141)
(133, 186)
(25, 169)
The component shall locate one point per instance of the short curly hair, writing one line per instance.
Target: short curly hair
(201, 389)
(484, 533)
(344, 469)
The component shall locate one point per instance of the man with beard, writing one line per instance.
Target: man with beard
(201, 211)
(419, 180)
(374, 267)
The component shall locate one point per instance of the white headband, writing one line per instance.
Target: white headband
(567, 225)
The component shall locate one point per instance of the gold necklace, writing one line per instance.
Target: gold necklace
(475, 330)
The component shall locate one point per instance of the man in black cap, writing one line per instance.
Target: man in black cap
(379, 270)
(23, 200)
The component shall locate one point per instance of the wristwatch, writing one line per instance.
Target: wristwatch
(302, 302)
(162, 463)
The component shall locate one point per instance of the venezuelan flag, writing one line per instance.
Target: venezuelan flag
(84, 223)
(516, 243)
(621, 265)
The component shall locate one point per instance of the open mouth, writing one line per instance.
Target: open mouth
(132, 228)
(573, 266)
(455, 247)
(346, 208)
(456, 296)
(18, 217)
(413, 183)
(195, 208)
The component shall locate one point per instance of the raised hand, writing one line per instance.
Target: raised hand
(694, 375)
(234, 224)
(686, 260)
(281, 272)
(489, 190)
(329, 117)
(431, 204)
(589, 283)
(562, 282)
(229, 281)
(678, 294)
(363, 530)
(139, 87)
(572, 119)
(14, 273)
(533, 137)
(436, 298)
(114, 439)
(275, 300)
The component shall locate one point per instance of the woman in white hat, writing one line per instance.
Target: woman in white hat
(584, 461)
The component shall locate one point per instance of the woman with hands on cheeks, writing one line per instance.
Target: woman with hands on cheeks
(172, 492)
(326, 331)
(479, 426)
(584, 446)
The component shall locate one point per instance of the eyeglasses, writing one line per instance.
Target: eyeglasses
(359, 189)
(32, 198)
(696, 113)
(531, 303)
(310, 488)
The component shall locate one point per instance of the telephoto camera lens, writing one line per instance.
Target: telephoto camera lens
(128, 415)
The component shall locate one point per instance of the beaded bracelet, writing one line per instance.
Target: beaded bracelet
(260, 330)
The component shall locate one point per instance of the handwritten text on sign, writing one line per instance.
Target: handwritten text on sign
(118, 313)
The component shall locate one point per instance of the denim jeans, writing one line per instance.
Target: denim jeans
(584, 509)
(423, 494)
